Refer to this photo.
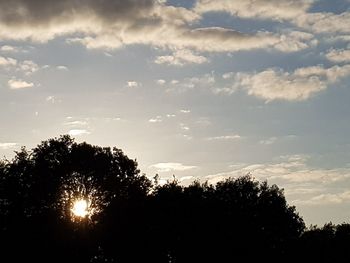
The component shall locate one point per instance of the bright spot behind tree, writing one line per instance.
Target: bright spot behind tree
(80, 208)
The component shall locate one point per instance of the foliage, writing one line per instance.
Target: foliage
(132, 220)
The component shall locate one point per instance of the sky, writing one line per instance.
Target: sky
(200, 89)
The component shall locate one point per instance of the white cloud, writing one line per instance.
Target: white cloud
(8, 145)
(295, 41)
(268, 141)
(51, 99)
(76, 123)
(7, 62)
(186, 178)
(304, 185)
(184, 127)
(339, 55)
(324, 22)
(156, 119)
(206, 81)
(160, 81)
(275, 84)
(133, 84)
(170, 115)
(225, 137)
(168, 167)
(78, 132)
(185, 111)
(203, 121)
(28, 67)
(326, 199)
(63, 68)
(271, 9)
(181, 58)
(8, 48)
(119, 23)
(19, 84)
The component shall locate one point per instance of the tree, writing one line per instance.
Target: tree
(127, 219)
(39, 186)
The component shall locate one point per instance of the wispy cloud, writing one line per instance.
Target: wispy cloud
(276, 84)
(115, 24)
(268, 141)
(225, 137)
(326, 199)
(9, 49)
(324, 22)
(19, 84)
(156, 119)
(8, 145)
(339, 55)
(168, 167)
(6, 61)
(76, 123)
(304, 184)
(78, 132)
(160, 81)
(181, 58)
(262, 9)
(133, 84)
(63, 68)
(28, 67)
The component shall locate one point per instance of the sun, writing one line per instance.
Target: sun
(80, 208)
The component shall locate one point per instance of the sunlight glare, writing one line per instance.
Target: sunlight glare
(80, 208)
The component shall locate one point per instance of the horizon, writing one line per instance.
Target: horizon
(197, 89)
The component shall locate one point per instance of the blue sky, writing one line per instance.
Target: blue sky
(201, 89)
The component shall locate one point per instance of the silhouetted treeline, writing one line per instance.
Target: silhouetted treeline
(135, 219)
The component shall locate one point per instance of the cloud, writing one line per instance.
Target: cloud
(326, 199)
(6, 62)
(78, 132)
(168, 167)
(114, 24)
(303, 184)
(324, 22)
(63, 68)
(8, 145)
(338, 55)
(181, 58)
(156, 119)
(160, 82)
(263, 9)
(8, 48)
(133, 84)
(205, 81)
(291, 169)
(225, 137)
(185, 111)
(28, 67)
(51, 99)
(295, 41)
(76, 123)
(268, 141)
(184, 127)
(275, 84)
(19, 84)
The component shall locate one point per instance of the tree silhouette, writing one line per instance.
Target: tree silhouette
(38, 187)
(130, 220)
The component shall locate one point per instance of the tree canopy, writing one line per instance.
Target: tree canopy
(131, 218)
